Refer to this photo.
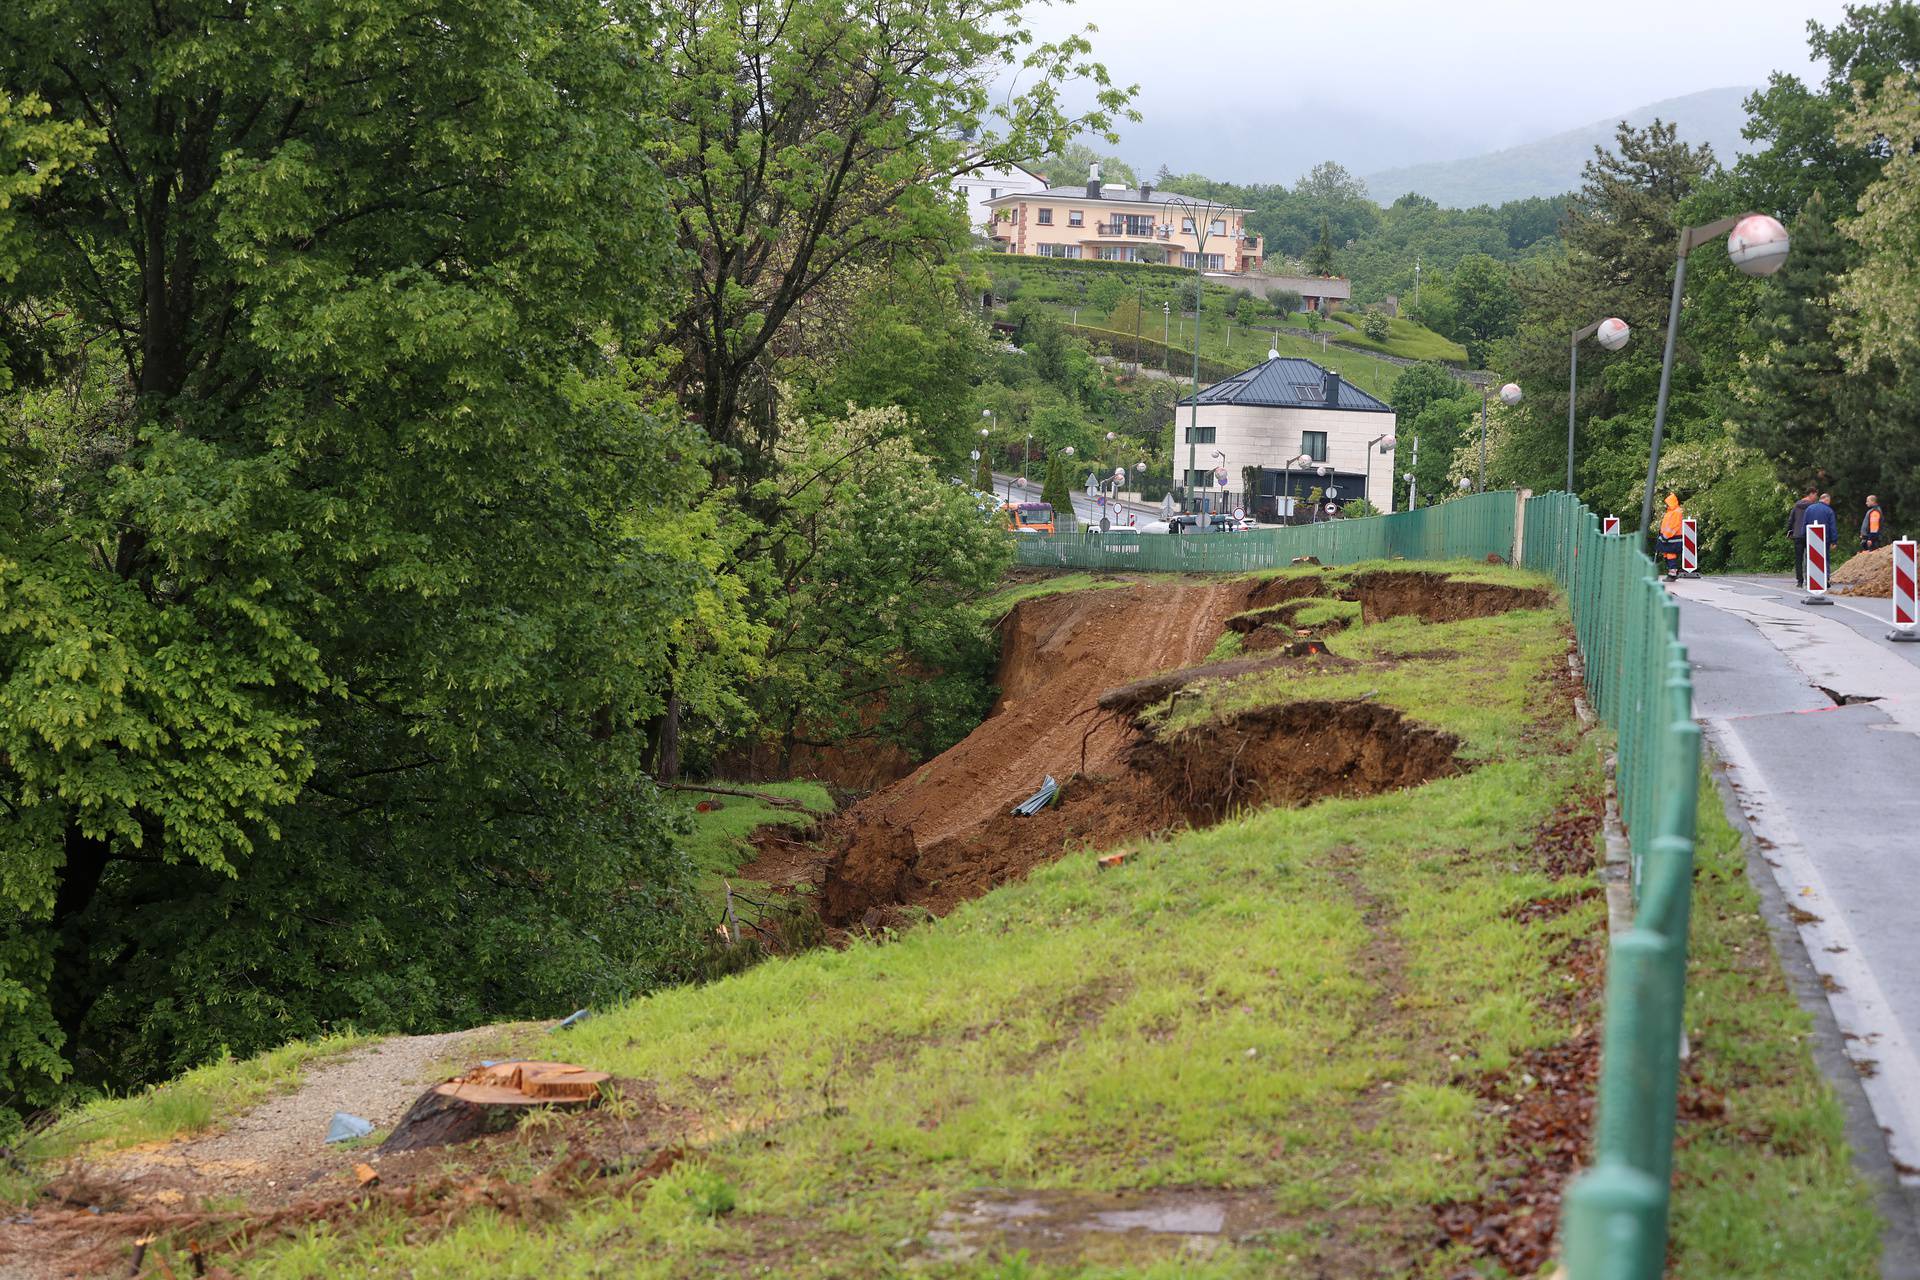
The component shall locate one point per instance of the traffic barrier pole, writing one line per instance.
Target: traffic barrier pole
(1610, 525)
(1905, 613)
(1689, 548)
(1816, 565)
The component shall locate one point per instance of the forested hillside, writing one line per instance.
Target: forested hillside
(425, 431)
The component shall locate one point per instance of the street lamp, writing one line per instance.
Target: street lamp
(1385, 443)
(1509, 395)
(1286, 483)
(1200, 212)
(1613, 333)
(1758, 245)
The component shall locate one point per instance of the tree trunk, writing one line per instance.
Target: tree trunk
(669, 766)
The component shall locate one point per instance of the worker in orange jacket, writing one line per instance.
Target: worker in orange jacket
(1872, 525)
(1670, 535)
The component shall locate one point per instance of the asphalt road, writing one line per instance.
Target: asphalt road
(1817, 716)
(1085, 509)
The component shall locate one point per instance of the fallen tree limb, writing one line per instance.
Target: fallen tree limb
(778, 802)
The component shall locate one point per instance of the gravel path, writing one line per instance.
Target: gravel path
(279, 1146)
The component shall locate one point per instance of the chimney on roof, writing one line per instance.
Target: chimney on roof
(1331, 388)
(1093, 181)
(1146, 191)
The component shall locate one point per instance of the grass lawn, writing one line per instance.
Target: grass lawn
(1241, 347)
(1304, 1011)
(1760, 1128)
(1404, 338)
(1294, 1006)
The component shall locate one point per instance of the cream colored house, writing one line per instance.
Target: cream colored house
(1276, 412)
(1118, 224)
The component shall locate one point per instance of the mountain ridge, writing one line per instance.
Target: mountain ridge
(1551, 166)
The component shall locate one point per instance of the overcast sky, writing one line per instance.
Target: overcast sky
(1380, 83)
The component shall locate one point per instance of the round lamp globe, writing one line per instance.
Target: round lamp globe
(1613, 333)
(1758, 244)
(1510, 394)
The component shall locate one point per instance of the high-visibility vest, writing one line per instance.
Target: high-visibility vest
(1873, 519)
(1670, 523)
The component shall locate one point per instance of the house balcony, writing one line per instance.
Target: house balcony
(1120, 231)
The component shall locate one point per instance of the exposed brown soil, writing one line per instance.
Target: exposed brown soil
(1431, 597)
(1073, 676)
(1868, 574)
(1547, 1095)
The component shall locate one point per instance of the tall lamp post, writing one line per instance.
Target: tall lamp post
(1613, 334)
(1757, 244)
(1509, 396)
(1200, 213)
(1286, 484)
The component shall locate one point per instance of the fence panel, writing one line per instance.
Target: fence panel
(1627, 629)
(1469, 527)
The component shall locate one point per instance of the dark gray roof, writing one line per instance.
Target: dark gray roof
(1289, 382)
(1114, 195)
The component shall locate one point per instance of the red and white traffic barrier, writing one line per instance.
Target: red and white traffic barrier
(1610, 526)
(1816, 565)
(1689, 547)
(1905, 612)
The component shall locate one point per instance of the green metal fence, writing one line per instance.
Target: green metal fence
(1467, 527)
(1615, 1225)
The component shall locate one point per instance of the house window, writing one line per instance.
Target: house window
(1076, 218)
(1046, 217)
(1118, 253)
(1213, 261)
(1200, 479)
(1186, 225)
(1314, 445)
(1057, 250)
(1219, 227)
(993, 193)
(1200, 435)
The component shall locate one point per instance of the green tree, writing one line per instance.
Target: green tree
(1320, 259)
(875, 563)
(326, 644)
(1067, 166)
(1055, 491)
(1485, 307)
(808, 147)
(983, 474)
(1619, 238)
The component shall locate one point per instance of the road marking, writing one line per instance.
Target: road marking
(1860, 1007)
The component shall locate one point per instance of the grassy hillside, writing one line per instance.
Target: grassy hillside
(1347, 1030)
(1228, 349)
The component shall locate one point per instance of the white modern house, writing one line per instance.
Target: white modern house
(991, 184)
(1272, 416)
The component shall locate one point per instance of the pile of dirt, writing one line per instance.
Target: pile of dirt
(1868, 574)
(1434, 597)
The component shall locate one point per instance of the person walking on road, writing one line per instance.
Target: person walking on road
(1872, 525)
(1797, 531)
(1820, 512)
(1670, 529)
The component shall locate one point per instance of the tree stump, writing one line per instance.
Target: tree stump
(489, 1100)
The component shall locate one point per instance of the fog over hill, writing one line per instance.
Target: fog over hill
(1552, 165)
